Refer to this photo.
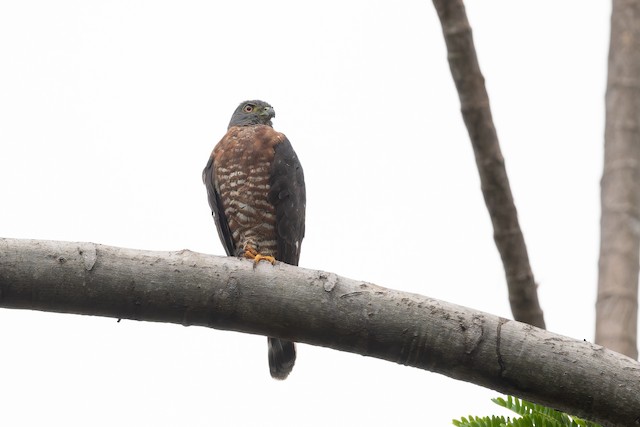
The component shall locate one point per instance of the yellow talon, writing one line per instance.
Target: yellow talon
(260, 257)
(251, 253)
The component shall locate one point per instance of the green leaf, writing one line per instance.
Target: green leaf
(531, 415)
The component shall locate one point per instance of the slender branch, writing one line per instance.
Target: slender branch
(321, 308)
(617, 303)
(476, 113)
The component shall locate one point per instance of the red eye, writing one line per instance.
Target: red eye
(248, 108)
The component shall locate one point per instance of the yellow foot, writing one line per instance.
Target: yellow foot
(259, 258)
(251, 253)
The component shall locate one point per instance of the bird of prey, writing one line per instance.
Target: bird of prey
(256, 191)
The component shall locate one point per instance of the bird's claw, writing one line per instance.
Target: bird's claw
(259, 258)
(251, 253)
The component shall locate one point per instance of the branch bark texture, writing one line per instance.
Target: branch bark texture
(617, 303)
(321, 308)
(476, 113)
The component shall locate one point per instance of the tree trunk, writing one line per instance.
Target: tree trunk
(617, 303)
(476, 112)
(324, 309)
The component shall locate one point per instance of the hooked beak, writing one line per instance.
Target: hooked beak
(269, 112)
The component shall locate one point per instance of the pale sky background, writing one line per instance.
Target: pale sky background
(108, 113)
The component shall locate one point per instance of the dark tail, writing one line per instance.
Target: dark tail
(282, 357)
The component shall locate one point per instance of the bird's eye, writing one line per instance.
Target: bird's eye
(248, 108)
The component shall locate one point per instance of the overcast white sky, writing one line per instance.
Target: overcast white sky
(108, 113)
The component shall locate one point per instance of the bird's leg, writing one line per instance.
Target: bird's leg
(251, 253)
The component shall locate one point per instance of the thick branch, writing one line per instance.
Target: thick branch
(324, 309)
(617, 304)
(476, 113)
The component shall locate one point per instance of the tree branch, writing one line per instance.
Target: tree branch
(617, 303)
(476, 113)
(323, 309)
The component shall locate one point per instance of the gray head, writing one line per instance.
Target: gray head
(251, 113)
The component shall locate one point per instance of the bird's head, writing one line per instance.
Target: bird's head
(251, 113)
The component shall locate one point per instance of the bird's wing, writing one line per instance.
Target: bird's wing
(288, 196)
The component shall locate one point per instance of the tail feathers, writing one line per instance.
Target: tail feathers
(282, 357)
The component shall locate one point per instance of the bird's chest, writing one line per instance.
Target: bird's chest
(243, 167)
(242, 176)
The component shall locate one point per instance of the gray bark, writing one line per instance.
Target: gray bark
(321, 308)
(617, 303)
(476, 112)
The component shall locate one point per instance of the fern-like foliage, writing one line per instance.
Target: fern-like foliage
(492, 421)
(530, 415)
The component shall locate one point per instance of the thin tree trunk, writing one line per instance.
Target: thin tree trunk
(324, 309)
(476, 112)
(617, 303)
